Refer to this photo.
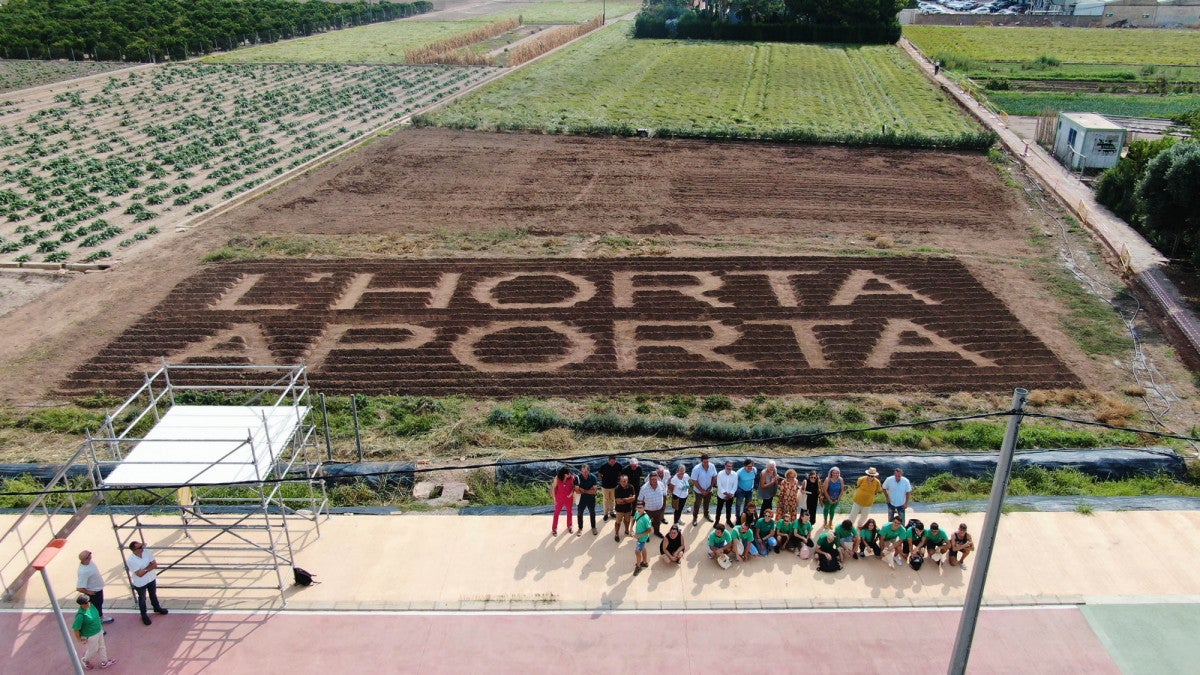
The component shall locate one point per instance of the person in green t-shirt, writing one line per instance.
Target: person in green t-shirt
(642, 525)
(785, 532)
(847, 536)
(828, 554)
(764, 533)
(937, 543)
(895, 541)
(88, 629)
(743, 536)
(868, 537)
(720, 541)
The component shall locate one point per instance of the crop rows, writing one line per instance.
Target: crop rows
(89, 169)
(717, 89)
(1069, 45)
(25, 74)
(409, 344)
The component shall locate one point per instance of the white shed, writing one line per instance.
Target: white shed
(1088, 141)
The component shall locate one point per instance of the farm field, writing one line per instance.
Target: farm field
(375, 43)
(16, 74)
(609, 82)
(91, 170)
(1122, 105)
(565, 12)
(1069, 45)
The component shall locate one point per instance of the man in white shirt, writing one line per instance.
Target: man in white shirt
(899, 491)
(90, 583)
(704, 478)
(727, 486)
(143, 571)
(654, 494)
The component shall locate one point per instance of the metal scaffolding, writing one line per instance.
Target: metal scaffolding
(234, 473)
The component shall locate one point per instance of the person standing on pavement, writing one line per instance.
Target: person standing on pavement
(768, 485)
(654, 495)
(88, 630)
(634, 471)
(864, 496)
(585, 487)
(90, 583)
(143, 570)
(789, 495)
(681, 487)
(899, 491)
(747, 478)
(727, 482)
(610, 475)
(641, 530)
(831, 493)
(704, 479)
(810, 488)
(625, 496)
(563, 490)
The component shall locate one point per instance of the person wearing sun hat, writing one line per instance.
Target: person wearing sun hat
(864, 496)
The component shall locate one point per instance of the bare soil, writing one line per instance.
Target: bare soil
(417, 192)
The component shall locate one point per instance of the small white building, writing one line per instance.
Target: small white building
(1088, 141)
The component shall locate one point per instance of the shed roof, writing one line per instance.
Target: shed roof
(1089, 120)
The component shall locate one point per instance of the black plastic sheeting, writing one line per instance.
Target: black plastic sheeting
(1150, 503)
(388, 474)
(1103, 463)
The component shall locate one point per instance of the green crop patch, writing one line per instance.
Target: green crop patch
(376, 43)
(1068, 45)
(580, 327)
(611, 83)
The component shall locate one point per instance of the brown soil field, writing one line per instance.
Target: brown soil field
(433, 194)
(580, 327)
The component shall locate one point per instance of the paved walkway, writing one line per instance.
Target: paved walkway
(421, 593)
(426, 562)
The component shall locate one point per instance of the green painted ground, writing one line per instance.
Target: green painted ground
(702, 88)
(1151, 639)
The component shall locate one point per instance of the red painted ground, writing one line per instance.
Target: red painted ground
(1025, 640)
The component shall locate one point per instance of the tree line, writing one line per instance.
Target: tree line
(861, 21)
(156, 30)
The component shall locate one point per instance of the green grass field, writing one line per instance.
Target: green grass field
(376, 43)
(566, 12)
(718, 89)
(1033, 103)
(1070, 45)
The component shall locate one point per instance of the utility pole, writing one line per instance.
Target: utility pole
(987, 538)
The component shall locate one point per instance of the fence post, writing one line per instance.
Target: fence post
(357, 437)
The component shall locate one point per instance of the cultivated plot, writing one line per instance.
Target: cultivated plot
(576, 327)
(94, 169)
(565, 12)
(1069, 45)
(376, 43)
(609, 81)
(25, 74)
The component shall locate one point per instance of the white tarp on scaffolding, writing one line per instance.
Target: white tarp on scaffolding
(209, 445)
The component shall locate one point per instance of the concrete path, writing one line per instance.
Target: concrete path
(426, 562)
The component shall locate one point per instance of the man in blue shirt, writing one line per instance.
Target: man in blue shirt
(747, 479)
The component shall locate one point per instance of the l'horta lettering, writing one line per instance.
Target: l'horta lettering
(543, 327)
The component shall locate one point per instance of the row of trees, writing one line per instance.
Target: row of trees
(1156, 188)
(789, 20)
(154, 30)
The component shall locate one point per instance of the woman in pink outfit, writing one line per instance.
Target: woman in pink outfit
(563, 490)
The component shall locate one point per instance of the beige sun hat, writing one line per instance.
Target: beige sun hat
(872, 472)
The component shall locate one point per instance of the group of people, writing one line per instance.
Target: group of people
(89, 617)
(757, 513)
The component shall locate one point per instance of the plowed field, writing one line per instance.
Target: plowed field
(430, 179)
(574, 327)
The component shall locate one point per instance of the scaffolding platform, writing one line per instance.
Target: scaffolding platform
(237, 474)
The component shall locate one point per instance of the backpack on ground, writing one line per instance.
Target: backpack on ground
(916, 561)
(831, 564)
(303, 577)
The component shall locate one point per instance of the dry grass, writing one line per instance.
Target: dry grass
(1117, 413)
(551, 39)
(448, 51)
